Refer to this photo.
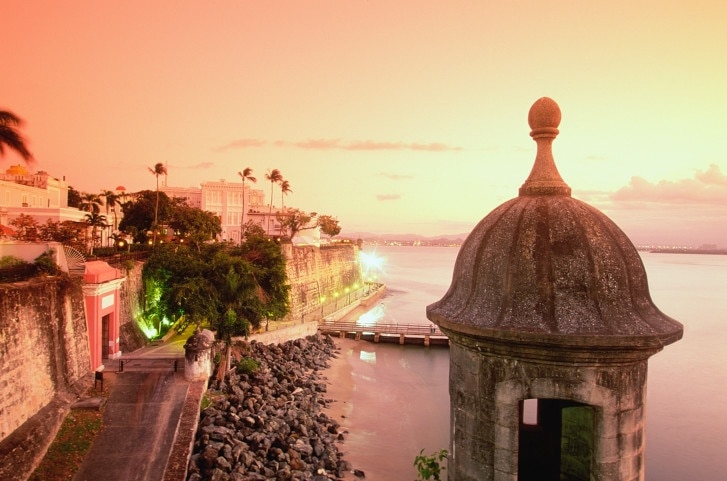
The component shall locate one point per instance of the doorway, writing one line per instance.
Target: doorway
(556, 439)
(105, 336)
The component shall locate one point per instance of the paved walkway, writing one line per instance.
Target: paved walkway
(140, 423)
(142, 415)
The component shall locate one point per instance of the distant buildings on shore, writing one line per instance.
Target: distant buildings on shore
(40, 195)
(225, 199)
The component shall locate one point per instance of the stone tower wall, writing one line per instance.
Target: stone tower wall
(486, 391)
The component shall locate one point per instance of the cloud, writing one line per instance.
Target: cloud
(241, 144)
(385, 197)
(338, 144)
(392, 176)
(706, 188)
(202, 166)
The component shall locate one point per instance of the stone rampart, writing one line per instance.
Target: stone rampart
(131, 337)
(44, 346)
(320, 277)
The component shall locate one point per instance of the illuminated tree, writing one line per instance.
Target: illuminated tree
(11, 138)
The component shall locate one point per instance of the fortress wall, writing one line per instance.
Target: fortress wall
(319, 273)
(130, 336)
(43, 346)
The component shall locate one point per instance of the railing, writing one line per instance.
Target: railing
(405, 329)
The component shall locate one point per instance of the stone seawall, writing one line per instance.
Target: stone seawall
(44, 346)
(321, 278)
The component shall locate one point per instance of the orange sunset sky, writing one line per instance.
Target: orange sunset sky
(396, 116)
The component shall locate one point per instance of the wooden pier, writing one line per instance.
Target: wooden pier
(393, 333)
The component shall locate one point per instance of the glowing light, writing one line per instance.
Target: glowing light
(371, 264)
(370, 318)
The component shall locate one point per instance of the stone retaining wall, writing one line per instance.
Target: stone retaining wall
(43, 346)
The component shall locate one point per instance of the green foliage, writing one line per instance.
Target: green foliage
(226, 288)
(11, 261)
(45, 263)
(247, 365)
(195, 225)
(430, 466)
(139, 213)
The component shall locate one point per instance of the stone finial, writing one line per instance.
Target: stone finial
(544, 179)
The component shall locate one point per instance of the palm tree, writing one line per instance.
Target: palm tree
(90, 203)
(246, 174)
(157, 170)
(274, 177)
(284, 190)
(95, 220)
(11, 138)
(111, 200)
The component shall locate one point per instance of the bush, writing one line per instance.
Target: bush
(11, 261)
(247, 365)
(46, 264)
(429, 466)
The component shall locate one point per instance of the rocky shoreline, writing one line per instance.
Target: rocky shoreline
(269, 424)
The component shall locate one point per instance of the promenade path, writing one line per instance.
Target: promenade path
(142, 415)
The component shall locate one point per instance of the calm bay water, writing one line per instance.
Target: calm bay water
(400, 400)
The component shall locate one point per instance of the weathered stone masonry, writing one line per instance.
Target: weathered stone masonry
(319, 272)
(43, 346)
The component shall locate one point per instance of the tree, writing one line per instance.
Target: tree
(139, 213)
(246, 174)
(195, 225)
(329, 225)
(26, 228)
(229, 288)
(294, 221)
(74, 198)
(111, 200)
(284, 190)
(90, 203)
(274, 177)
(66, 232)
(11, 138)
(157, 170)
(95, 220)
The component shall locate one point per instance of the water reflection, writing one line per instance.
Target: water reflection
(373, 316)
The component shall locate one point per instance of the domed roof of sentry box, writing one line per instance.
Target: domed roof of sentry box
(545, 268)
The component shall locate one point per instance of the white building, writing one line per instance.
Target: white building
(225, 200)
(38, 195)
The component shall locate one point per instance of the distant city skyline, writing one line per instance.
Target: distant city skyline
(405, 117)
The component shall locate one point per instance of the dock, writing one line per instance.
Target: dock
(418, 334)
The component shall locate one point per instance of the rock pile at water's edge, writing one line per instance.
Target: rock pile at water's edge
(269, 425)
